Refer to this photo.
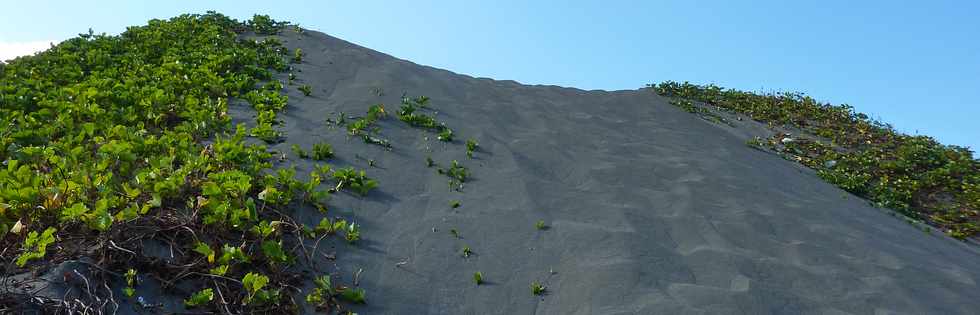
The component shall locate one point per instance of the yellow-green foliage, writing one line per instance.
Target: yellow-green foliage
(104, 135)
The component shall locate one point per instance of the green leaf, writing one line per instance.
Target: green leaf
(200, 298)
(354, 295)
(203, 249)
(274, 252)
(74, 213)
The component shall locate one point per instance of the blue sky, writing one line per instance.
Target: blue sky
(914, 65)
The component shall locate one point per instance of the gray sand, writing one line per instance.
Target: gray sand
(652, 210)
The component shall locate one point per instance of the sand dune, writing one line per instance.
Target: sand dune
(651, 210)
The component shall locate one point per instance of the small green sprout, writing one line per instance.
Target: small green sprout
(322, 292)
(306, 89)
(446, 135)
(540, 225)
(429, 162)
(454, 232)
(467, 252)
(353, 233)
(299, 152)
(454, 204)
(129, 291)
(298, 55)
(322, 151)
(537, 288)
(471, 146)
(478, 278)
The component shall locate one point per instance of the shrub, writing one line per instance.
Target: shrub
(104, 134)
(265, 25)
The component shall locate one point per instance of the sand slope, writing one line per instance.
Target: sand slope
(652, 210)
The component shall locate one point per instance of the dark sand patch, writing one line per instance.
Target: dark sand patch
(651, 209)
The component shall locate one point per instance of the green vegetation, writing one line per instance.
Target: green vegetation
(471, 147)
(410, 114)
(355, 180)
(354, 295)
(702, 112)
(467, 252)
(457, 174)
(265, 25)
(306, 89)
(200, 298)
(35, 246)
(353, 233)
(110, 141)
(454, 204)
(364, 126)
(299, 152)
(540, 225)
(478, 278)
(298, 55)
(130, 289)
(537, 288)
(914, 175)
(322, 151)
(257, 293)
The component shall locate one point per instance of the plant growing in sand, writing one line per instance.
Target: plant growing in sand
(471, 147)
(156, 147)
(299, 152)
(352, 233)
(409, 113)
(298, 55)
(478, 278)
(306, 89)
(354, 180)
(540, 225)
(354, 295)
(322, 151)
(322, 292)
(537, 288)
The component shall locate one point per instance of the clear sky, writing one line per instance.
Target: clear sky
(915, 65)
